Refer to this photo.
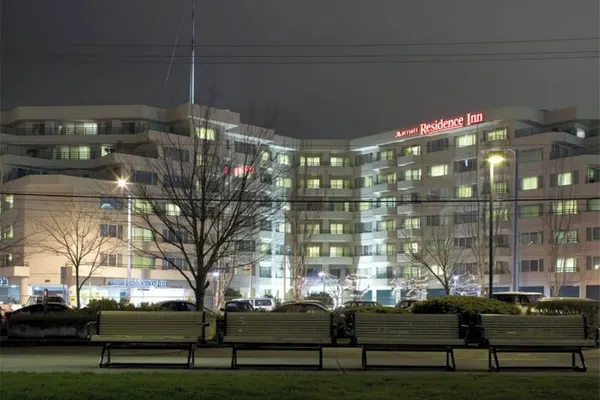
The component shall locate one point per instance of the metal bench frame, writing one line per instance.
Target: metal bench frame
(493, 350)
(277, 346)
(449, 350)
(106, 359)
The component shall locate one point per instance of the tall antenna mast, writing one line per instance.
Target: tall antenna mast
(193, 59)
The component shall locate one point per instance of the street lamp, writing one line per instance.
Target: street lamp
(122, 184)
(493, 160)
(516, 266)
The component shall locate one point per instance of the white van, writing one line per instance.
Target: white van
(266, 304)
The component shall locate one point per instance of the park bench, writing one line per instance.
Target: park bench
(148, 330)
(277, 331)
(407, 332)
(536, 334)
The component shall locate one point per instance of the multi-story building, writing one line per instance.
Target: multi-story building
(376, 196)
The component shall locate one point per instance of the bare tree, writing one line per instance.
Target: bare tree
(557, 215)
(221, 280)
(211, 184)
(74, 233)
(355, 286)
(415, 288)
(436, 252)
(302, 219)
(334, 287)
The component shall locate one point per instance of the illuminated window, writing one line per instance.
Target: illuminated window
(336, 229)
(464, 191)
(564, 179)
(283, 159)
(411, 151)
(310, 161)
(500, 187)
(283, 182)
(138, 261)
(9, 202)
(565, 207)
(412, 174)
(500, 214)
(172, 209)
(142, 234)
(142, 206)
(566, 236)
(438, 170)
(8, 232)
(566, 265)
(313, 229)
(530, 183)
(412, 223)
(387, 178)
(313, 183)
(466, 140)
(337, 161)
(367, 181)
(313, 251)
(387, 226)
(496, 134)
(284, 227)
(336, 251)
(74, 153)
(337, 183)
(365, 206)
(387, 202)
(206, 133)
(410, 248)
(389, 154)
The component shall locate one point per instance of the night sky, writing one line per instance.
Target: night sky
(332, 96)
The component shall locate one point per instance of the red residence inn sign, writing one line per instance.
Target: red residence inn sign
(441, 125)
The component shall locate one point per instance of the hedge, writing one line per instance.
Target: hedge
(575, 306)
(380, 310)
(464, 305)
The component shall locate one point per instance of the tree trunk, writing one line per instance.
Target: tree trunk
(200, 292)
(447, 289)
(77, 289)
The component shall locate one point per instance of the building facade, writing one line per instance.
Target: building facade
(368, 201)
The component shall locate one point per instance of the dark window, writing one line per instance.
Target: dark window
(111, 230)
(438, 145)
(110, 203)
(145, 177)
(465, 165)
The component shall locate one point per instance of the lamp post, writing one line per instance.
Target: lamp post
(215, 276)
(516, 266)
(122, 184)
(493, 160)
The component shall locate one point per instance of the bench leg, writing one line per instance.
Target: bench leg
(364, 358)
(493, 366)
(450, 363)
(190, 360)
(320, 358)
(101, 362)
(583, 367)
(234, 357)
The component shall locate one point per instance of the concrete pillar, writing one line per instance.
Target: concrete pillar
(25, 291)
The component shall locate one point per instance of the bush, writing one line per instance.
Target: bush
(60, 318)
(464, 305)
(589, 308)
(96, 305)
(380, 310)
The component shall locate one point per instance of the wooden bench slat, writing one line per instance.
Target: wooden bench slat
(143, 339)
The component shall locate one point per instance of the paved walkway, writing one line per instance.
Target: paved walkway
(336, 360)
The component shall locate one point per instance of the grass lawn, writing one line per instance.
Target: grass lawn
(248, 386)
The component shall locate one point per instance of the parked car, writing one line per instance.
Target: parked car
(263, 303)
(37, 309)
(406, 303)
(523, 300)
(311, 306)
(360, 303)
(37, 299)
(213, 317)
(238, 306)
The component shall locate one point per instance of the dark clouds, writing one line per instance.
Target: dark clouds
(326, 100)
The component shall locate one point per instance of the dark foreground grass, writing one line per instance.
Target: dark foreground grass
(266, 386)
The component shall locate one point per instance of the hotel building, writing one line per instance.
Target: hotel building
(378, 193)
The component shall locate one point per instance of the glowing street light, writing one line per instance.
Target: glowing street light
(493, 160)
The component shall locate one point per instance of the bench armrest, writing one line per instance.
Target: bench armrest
(91, 328)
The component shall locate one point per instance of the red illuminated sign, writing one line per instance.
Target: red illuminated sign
(240, 170)
(441, 125)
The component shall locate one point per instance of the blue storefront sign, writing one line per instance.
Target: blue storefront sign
(3, 281)
(137, 283)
